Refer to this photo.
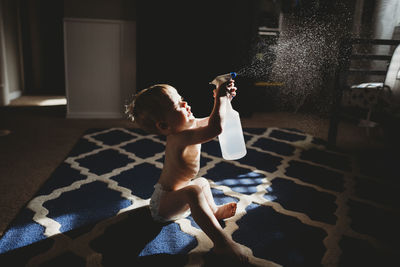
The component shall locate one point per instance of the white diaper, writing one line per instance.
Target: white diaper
(159, 191)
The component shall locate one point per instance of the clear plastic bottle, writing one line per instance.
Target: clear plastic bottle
(231, 139)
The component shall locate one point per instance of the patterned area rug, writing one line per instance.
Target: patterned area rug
(299, 204)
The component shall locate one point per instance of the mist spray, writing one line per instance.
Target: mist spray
(231, 139)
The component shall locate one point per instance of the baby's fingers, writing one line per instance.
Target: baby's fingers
(231, 83)
(232, 92)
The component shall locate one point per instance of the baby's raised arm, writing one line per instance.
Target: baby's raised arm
(205, 132)
(202, 122)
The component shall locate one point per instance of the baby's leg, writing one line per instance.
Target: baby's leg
(220, 212)
(174, 202)
(193, 195)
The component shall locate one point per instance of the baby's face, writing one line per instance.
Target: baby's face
(179, 117)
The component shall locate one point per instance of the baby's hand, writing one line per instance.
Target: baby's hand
(226, 89)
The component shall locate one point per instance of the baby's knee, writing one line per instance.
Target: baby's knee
(201, 181)
(193, 193)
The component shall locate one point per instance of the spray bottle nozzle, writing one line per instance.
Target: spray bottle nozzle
(223, 78)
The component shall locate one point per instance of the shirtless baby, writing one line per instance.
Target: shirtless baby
(159, 109)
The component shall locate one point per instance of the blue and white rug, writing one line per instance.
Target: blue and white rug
(299, 204)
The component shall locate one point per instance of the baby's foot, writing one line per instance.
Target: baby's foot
(233, 253)
(225, 211)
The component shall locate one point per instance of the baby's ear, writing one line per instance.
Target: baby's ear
(162, 126)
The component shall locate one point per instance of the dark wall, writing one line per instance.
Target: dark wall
(42, 41)
(186, 44)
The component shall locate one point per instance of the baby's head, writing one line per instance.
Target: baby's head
(150, 106)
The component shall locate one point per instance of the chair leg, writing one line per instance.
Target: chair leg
(368, 123)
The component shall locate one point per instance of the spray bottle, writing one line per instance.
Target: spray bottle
(231, 139)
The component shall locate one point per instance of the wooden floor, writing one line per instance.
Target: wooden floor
(39, 101)
(40, 137)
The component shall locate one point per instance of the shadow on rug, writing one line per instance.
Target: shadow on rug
(299, 204)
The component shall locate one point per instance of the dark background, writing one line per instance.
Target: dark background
(183, 43)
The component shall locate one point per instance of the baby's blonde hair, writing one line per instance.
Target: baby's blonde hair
(149, 107)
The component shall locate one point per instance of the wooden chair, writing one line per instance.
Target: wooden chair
(365, 97)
